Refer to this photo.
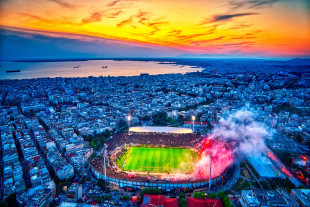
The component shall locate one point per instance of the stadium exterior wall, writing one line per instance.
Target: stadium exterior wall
(164, 186)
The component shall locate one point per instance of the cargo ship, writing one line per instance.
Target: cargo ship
(13, 71)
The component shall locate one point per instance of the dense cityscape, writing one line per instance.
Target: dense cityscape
(155, 103)
(54, 129)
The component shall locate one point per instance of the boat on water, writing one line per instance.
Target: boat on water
(104, 66)
(76, 66)
(13, 71)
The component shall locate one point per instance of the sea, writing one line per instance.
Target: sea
(87, 68)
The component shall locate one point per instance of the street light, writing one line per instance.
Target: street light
(193, 118)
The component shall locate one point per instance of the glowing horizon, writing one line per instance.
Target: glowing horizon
(272, 28)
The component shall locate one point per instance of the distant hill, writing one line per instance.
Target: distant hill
(218, 56)
(299, 61)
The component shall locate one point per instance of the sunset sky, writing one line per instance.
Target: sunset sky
(32, 29)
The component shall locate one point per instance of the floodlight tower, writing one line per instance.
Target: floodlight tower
(129, 118)
(193, 118)
(105, 154)
(211, 156)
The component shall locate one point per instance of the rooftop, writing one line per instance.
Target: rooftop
(161, 129)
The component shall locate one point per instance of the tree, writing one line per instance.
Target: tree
(102, 183)
(160, 119)
(92, 144)
(299, 138)
(182, 202)
(146, 118)
(202, 194)
(107, 133)
(221, 195)
(226, 201)
(122, 125)
(212, 195)
(126, 198)
(181, 119)
(11, 200)
(196, 195)
(4, 204)
(32, 112)
(151, 191)
(181, 195)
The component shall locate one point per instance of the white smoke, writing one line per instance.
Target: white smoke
(244, 135)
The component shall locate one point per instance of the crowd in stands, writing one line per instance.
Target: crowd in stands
(168, 140)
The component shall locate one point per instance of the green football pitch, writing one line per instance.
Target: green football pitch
(162, 160)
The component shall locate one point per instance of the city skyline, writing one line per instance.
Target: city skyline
(126, 28)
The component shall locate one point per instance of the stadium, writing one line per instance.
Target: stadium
(163, 157)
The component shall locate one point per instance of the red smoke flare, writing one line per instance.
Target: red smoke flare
(222, 159)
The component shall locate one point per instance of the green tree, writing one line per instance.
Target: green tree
(196, 195)
(182, 202)
(226, 201)
(92, 144)
(122, 125)
(151, 191)
(107, 133)
(299, 138)
(221, 194)
(181, 195)
(181, 119)
(160, 119)
(202, 194)
(146, 118)
(4, 204)
(212, 195)
(101, 183)
(32, 112)
(11, 200)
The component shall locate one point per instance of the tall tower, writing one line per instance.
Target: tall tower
(105, 154)
(211, 156)
(129, 119)
(193, 119)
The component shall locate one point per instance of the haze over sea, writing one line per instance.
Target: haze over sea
(88, 68)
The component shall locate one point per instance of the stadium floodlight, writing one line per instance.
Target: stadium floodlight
(105, 154)
(128, 118)
(211, 156)
(193, 118)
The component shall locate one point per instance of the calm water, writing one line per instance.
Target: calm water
(88, 68)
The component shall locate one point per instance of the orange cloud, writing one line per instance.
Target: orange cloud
(271, 27)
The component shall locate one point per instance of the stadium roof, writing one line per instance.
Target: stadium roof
(159, 129)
